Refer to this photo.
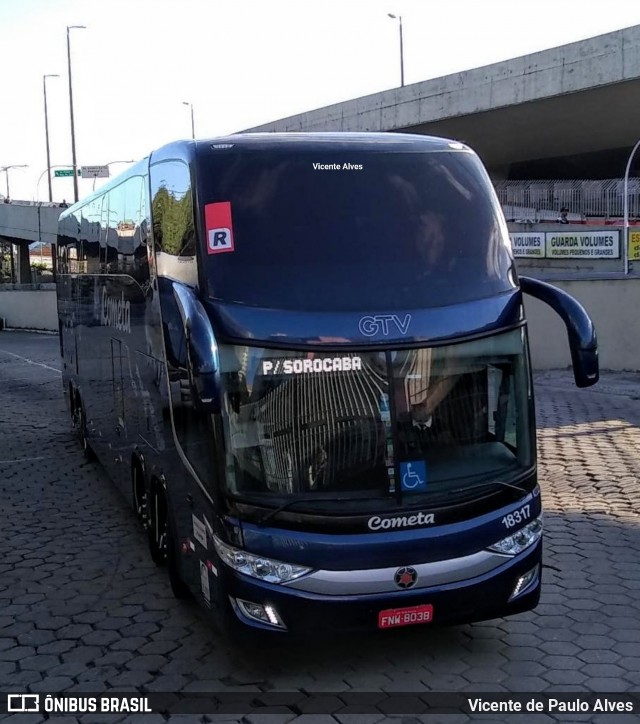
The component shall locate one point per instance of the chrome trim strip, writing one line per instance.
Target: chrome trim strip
(380, 580)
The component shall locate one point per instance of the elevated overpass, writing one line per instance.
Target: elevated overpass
(568, 112)
(22, 223)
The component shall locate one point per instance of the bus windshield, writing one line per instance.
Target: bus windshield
(344, 231)
(392, 425)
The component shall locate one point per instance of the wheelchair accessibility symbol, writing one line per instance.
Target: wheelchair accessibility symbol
(414, 476)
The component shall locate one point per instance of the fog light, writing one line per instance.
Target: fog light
(256, 611)
(524, 581)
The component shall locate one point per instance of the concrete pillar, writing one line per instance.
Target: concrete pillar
(24, 267)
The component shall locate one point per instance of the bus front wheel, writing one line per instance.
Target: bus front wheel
(162, 537)
(178, 586)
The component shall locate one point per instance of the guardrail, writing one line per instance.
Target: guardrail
(541, 200)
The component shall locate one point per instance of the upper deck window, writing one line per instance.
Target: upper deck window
(341, 231)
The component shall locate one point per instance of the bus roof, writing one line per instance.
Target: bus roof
(310, 142)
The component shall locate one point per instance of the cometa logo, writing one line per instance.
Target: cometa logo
(405, 577)
(116, 312)
(402, 521)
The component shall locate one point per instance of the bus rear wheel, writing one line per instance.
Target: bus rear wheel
(80, 423)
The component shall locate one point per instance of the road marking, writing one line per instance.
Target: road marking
(19, 460)
(31, 362)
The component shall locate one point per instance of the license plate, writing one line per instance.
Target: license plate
(393, 617)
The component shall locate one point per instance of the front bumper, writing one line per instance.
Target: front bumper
(476, 599)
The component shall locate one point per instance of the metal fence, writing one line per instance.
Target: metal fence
(541, 200)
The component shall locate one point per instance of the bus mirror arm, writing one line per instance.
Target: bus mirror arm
(202, 349)
(582, 334)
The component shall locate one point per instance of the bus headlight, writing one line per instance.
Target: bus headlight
(521, 539)
(264, 569)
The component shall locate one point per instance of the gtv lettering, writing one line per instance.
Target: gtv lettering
(376, 324)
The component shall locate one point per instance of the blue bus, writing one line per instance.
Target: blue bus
(303, 358)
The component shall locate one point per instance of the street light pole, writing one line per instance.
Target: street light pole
(73, 133)
(46, 127)
(625, 242)
(6, 173)
(61, 165)
(399, 19)
(193, 128)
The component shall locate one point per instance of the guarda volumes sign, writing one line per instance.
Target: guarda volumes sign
(583, 244)
(528, 244)
(567, 245)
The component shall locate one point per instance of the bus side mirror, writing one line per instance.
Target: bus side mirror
(582, 334)
(202, 349)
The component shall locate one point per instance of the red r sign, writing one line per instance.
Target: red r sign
(217, 219)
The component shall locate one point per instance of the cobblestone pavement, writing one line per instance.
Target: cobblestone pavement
(82, 608)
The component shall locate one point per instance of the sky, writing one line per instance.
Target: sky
(240, 63)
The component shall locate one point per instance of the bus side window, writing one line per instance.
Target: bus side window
(172, 209)
(91, 235)
(174, 247)
(126, 220)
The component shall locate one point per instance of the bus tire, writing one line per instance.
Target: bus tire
(72, 402)
(156, 517)
(138, 487)
(80, 422)
(179, 588)
(224, 618)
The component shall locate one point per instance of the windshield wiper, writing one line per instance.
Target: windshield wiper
(299, 501)
(488, 484)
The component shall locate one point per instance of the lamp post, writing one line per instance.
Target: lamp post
(193, 128)
(399, 19)
(6, 173)
(73, 134)
(60, 165)
(625, 233)
(46, 125)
